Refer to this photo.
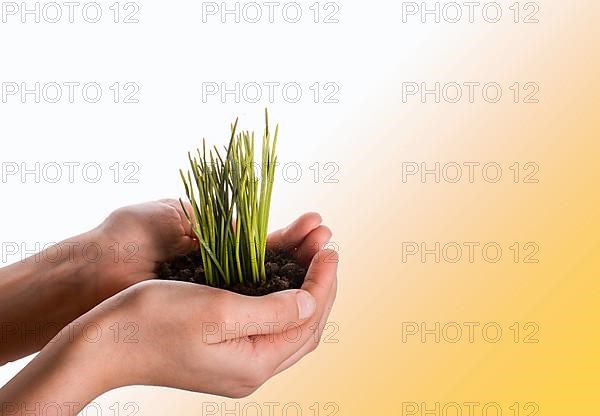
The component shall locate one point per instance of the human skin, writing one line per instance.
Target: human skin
(43, 293)
(158, 333)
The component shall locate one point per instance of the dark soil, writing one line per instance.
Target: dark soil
(283, 272)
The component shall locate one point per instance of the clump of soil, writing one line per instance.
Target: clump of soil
(283, 272)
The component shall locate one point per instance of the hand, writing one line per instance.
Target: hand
(209, 340)
(46, 291)
(138, 238)
(187, 336)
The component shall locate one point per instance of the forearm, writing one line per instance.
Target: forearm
(63, 378)
(43, 293)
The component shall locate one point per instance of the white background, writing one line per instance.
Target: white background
(169, 54)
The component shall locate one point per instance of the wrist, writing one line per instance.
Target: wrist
(114, 330)
(97, 265)
(73, 267)
(43, 293)
(94, 345)
(72, 370)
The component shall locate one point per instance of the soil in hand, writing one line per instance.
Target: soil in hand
(283, 272)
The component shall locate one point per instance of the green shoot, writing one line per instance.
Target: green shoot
(230, 206)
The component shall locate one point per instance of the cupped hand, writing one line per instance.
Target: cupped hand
(208, 340)
(136, 238)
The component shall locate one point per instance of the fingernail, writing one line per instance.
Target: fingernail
(306, 304)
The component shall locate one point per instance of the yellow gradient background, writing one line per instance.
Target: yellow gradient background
(370, 370)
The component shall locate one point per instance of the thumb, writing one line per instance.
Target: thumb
(244, 316)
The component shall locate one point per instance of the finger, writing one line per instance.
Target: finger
(290, 237)
(189, 241)
(237, 316)
(187, 227)
(319, 282)
(313, 243)
(313, 341)
(321, 274)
